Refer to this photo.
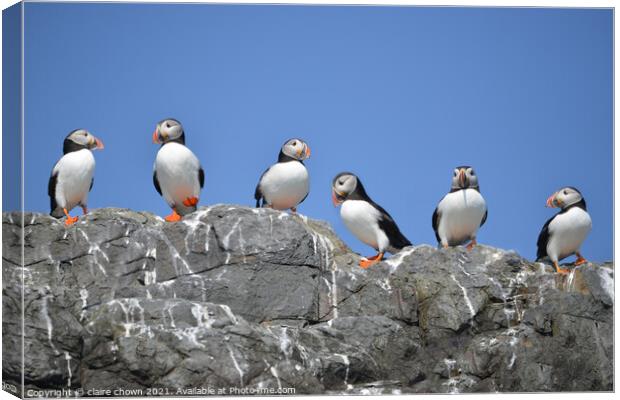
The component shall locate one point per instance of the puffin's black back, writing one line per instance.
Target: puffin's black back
(543, 239)
(386, 222)
(51, 191)
(436, 217)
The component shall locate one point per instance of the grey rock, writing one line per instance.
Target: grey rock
(257, 299)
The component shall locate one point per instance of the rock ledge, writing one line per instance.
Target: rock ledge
(255, 298)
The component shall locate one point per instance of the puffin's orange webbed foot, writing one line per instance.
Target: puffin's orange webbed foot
(294, 210)
(366, 263)
(369, 261)
(174, 217)
(580, 259)
(190, 201)
(471, 245)
(84, 210)
(70, 220)
(559, 270)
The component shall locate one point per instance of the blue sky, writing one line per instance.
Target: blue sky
(399, 96)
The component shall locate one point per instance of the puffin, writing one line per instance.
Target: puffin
(461, 212)
(367, 220)
(177, 174)
(286, 183)
(72, 176)
(563, 234)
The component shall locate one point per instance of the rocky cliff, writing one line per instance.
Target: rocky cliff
(233, 297)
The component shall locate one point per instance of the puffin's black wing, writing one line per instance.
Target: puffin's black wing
(51, 191)
(484, 219)
(258, 194)
(201, 177)
(156, 182)
(436, 217)
(543, 239)
(388, 225)
(92, 182)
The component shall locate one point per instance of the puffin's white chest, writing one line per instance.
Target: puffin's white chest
(567, 231)
(177, 172)
(285, 184)
(74, 174)
(362, 219)
(461, 214)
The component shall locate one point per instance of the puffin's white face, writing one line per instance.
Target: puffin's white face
(564, 197)
(342, 186)
(464, 177)
(82, 137)
(167, 130)
(297, 149)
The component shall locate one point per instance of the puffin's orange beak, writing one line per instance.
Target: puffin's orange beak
(462, 178)
(307, 151)
(335, 199)
(95, 143)
(155, 137)
(552, 202)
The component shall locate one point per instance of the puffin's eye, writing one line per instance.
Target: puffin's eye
(294, 143)
(566, 192)
(472, 172)
(167, 125)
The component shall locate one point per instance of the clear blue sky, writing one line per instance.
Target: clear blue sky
(399, 96)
